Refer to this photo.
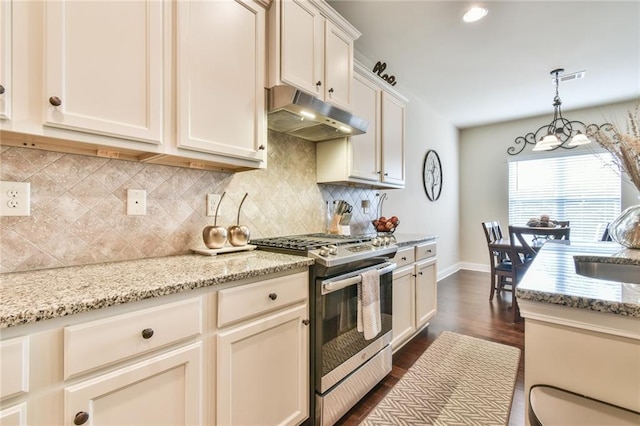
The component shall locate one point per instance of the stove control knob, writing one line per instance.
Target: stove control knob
(333, 249)
(324, 251)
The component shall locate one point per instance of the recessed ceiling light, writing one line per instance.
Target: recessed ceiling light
(475, 14)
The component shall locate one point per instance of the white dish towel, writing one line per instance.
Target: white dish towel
(369, 320)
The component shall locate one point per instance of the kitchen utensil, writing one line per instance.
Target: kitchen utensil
(239, 234)
(215, 236)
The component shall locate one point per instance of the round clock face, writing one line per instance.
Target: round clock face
(432, 175)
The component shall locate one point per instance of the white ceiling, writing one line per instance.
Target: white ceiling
(498, 69)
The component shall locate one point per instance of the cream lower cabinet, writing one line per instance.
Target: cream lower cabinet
(237, 355)
(163, 390)
(263, 358)
(414, 291)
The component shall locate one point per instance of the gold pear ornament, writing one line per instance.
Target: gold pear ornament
(239, 234)
(215, 236)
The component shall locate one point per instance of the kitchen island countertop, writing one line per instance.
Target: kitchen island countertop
(552, 279)
(39, 295)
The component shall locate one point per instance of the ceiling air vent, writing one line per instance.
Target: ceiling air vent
(568, 77)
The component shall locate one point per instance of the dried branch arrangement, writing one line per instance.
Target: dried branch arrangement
(625, 147)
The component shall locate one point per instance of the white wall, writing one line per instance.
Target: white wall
(484, 173)
(426, 129)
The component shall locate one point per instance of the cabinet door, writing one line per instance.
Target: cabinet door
(221, 78)
(403, 305)
(5, 60)
(302, 46)
(392, 140)
(14, 416)
(263, 371)
(164, 390)
(426, 292)
(365, 149)
(338, 67)
(104, 64)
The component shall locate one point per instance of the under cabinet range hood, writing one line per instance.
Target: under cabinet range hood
(297, 113)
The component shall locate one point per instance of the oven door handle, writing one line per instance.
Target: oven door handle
(331, 286)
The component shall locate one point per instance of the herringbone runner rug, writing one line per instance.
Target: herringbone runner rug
(459, 380)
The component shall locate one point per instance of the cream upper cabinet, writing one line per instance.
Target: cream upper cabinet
(392, 135)
(375, 158)
(104, 68)
(312, 49)
(5, 60)
(221, 78)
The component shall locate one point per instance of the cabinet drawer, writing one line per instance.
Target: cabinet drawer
(426, 250)
(405, 256)
(99, 343)
(237, 303)
(14, 368)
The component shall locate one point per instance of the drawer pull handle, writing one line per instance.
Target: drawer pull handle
(273, 296)
(147, 333)
(306, 321)
(55, 101)
(404, 258)
(81, 418)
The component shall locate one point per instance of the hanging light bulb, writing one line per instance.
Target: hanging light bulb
(579, 139)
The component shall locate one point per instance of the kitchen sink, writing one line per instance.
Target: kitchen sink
(622, 272)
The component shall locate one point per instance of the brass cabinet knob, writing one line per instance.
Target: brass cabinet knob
(81, 418)
(147, 333)
(55, 101)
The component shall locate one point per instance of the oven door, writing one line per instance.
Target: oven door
(341, 348)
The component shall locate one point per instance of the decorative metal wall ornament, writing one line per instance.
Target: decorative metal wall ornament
(560, 133)
(379, 68)
(432, 175)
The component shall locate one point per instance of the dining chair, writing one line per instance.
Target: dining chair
(499, 262)
(524, 241)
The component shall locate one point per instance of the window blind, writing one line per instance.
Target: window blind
(583, 189)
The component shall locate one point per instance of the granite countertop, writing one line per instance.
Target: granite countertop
(33, 296)
(551, 278)
(405, 240)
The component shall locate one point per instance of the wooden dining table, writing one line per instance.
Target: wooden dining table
(504, 243)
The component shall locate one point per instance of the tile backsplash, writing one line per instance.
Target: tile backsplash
(78, 205)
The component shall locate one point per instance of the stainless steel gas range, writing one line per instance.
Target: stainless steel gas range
(344, 366)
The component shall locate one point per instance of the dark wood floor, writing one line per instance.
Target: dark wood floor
(463, 307)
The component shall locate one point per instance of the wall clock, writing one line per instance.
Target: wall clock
(432, 175)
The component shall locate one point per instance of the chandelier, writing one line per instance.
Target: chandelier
(560, 133)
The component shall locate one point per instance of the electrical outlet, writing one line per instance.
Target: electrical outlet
(136, 202)
(15, 198)
(213, 200)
